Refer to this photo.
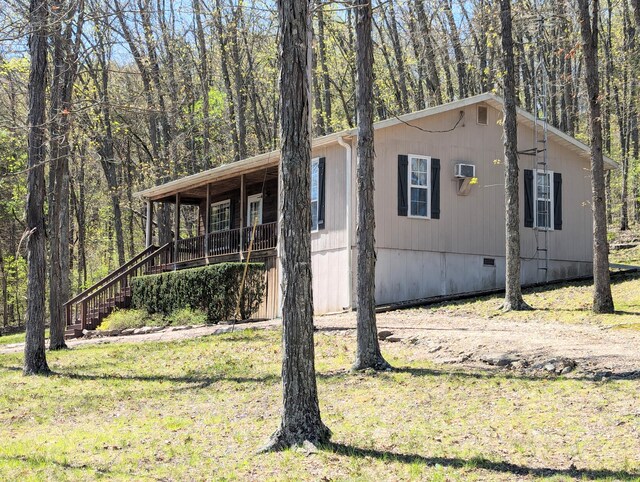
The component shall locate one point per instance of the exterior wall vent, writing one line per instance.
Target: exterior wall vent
(483, 115)
(489, 262)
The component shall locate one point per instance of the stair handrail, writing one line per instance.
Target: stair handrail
(94, 293)
(132, 268)
(94, 286)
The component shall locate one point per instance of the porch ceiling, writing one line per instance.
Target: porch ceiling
(198, 193)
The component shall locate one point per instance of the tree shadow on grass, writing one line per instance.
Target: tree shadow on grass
(47, 462)
(196, 381)
(480, 374)
(479, 463)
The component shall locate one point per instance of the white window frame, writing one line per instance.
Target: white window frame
(215, 205)
(536, 173)
(427, 187)
(315, 162)
(250, 200)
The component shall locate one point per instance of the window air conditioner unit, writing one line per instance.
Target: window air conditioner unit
(465, 171)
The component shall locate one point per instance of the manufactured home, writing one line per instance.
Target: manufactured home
(439, 209)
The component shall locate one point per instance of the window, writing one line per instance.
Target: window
(419, 182)
(254, 209)
(315, 193)
(544, 199)
(483, 115)
(221, 216)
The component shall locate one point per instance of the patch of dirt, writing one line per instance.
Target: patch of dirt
(534, 347)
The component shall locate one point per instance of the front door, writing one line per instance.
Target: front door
(254, 209)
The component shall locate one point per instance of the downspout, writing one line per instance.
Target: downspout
(348, 161)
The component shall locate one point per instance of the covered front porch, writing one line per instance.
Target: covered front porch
(217, 221)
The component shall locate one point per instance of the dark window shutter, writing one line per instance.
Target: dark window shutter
(232, 214)
(321, 192)
(403, 166)
(435, 188)
(557, 200)
(528, 198)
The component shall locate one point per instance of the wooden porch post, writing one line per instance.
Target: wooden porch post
(149, 238)
(207, 223)
(242, 196)
(176, 228)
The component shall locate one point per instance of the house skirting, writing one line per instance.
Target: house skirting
(404, 275)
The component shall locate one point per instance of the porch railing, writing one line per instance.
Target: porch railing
(265, 237)
(114, 291)
(224, 242)
(227, 242)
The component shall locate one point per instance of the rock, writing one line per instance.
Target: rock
(603, 376)
(499, 360)
(138, 331)
(306, 448)
(128, 331)
(183, 327)
(435, 348)
(453, 361)
(384, 334)
(393, 339)
(550, 367)
(519, 365)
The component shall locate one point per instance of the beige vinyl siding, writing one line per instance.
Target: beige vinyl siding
(474, 224)
(333, 235)
(420, 258)
(459, 228)
(329, 260)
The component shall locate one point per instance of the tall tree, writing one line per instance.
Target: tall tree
(602, 298)
(301, 412)
(65, 53)
(513, 291)
(35, 361)
(368, 349)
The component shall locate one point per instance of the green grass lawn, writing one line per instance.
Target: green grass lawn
(629, 256)
(17, 338)
(568, 302)
(199, 410)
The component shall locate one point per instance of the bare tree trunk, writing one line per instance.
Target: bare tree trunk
(368, 349)
(326, 84)
(602, 299)
(239, 80)
(417, 52)
(226, 76)
(301, 413)
(392, 26)
(35, 361)
(5, 292)
(204, 83)
(65, 54)
(513, 291)
(457, 50)
(429, 52)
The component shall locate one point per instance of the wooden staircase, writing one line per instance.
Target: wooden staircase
(87, 310)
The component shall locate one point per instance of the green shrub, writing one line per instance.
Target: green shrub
(123, 319)
(187, 316)
(213, 289)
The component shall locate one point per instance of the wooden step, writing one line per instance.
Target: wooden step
(73, 331)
